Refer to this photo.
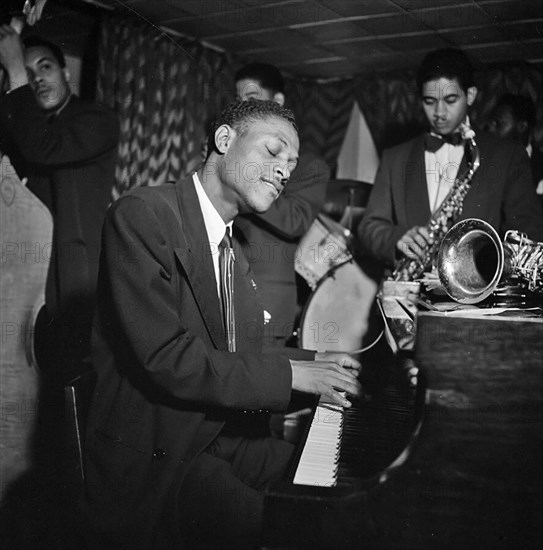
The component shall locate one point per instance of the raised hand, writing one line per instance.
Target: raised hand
(12, 56)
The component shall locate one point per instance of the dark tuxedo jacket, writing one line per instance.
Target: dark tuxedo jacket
(536, 162)
(501, 194)
(166, 382)
(69, 159)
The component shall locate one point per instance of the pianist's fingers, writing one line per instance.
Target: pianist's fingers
(347, 383)
(343, 359)
(339, 398)
(326, 379)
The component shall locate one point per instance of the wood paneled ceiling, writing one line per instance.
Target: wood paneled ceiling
(328, 38)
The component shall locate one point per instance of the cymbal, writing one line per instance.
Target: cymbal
(343, 191)
(348, 184)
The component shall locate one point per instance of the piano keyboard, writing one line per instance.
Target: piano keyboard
(319, 460)
(346, 445)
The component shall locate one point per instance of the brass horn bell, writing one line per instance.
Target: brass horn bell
(471, 261)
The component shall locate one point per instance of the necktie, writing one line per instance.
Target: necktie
(226, 268)
(433, 142)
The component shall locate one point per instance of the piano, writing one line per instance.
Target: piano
(449, 458)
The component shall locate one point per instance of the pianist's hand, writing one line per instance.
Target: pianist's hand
(330, 374)
(343, 359)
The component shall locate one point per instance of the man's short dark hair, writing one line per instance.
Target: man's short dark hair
(522, 107)
(39, 42)
(448, 63)
(240, 113)
(268, 76)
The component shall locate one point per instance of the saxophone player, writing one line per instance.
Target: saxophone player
(415, 177)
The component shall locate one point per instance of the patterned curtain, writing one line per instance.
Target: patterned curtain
(522, 79)
(391, 107)
(165, 93)
(322, 113)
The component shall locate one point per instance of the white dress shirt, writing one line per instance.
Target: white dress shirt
(215, 227)
(441, 171)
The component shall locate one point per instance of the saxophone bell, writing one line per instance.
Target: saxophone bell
(444, 217)
(472, 261)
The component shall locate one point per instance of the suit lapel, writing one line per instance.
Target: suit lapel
(197, 261)
(416, 203)
(249, 309)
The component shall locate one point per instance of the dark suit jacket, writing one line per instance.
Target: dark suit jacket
(501, 194)
(69, 159)
(271, 239)
(166, 382)
(536, 162)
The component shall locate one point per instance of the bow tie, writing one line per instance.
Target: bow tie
(432, 142)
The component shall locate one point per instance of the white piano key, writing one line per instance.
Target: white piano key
(318, 461)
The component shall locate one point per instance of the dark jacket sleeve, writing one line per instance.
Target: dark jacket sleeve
(80, 136)
(379, 230)
(291, 215)
(139, 302)
(521, 208)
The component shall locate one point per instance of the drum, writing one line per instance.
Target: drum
(321, 249)
(336, 315)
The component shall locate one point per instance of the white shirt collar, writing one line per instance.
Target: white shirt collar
(215, 225)
(466, 122)
(442, 169)
(529, 149)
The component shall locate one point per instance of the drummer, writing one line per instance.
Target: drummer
(271, 238)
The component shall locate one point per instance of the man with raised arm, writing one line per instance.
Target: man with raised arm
(67, 150)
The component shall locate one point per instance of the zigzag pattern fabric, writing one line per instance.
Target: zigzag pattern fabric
(322, 114)
(391, 105)
(165, 93)
(522, 80)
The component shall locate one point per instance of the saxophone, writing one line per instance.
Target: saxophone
(444, 217)
(473, 243)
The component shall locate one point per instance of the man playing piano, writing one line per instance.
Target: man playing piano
(174, 459)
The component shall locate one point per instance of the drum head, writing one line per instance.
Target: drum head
(321, 249)
(336, 315)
